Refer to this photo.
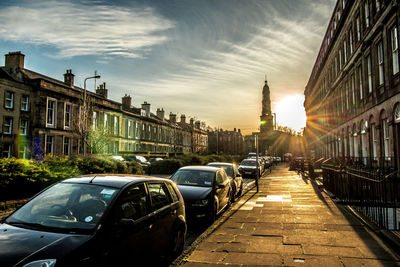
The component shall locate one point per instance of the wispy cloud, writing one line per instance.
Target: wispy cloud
(76, 29)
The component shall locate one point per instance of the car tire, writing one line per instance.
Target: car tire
(213, 214)
(178, 243)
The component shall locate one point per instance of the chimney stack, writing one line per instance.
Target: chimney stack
(197, 124)
(183, 118)
(14, 61)
(191, 122)
(160, 113)
(146, 108)
(69, 78)
(172, 117)
(234, 129)
(101, 90)
(126, 101)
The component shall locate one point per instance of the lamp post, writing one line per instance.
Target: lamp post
(85, 109)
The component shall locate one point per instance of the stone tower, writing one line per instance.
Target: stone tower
(266, 118)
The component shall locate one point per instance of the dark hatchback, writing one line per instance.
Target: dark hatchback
(206, 191)
(96, 221)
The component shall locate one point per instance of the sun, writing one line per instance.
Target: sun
(290, 112)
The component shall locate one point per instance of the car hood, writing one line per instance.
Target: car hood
(20, 245)
(194, 192)
(248, 167)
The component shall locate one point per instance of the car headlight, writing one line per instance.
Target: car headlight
(42, 263)
(200, 203)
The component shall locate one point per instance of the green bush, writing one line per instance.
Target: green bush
(134, 167)
(21, 178)
(167, 166)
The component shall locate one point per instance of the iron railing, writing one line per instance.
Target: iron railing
(371, 186)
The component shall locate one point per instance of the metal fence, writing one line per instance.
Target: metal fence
(371, 186)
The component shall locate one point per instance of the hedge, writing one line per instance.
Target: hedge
(21, 178)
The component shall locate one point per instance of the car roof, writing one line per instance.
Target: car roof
(200, 168)
(220, 163)
(112, 180)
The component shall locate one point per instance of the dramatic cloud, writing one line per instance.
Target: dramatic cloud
(77, 29)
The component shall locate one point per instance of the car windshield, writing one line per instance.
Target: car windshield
(228, 169)
(248, 163)
(65, 207)
(194, 178)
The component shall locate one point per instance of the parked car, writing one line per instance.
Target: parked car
(236, 179)
(206, 190)
(115, 157)
(141, 160)
(248, 168)
(152, 160)
(96, 221)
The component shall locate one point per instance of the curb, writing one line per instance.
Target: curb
(224, 217)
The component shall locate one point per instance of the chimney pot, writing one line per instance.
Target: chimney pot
(126, 101)
(69, 78)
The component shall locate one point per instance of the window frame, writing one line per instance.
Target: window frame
(67, 104)
(68, 145)
(10, 99)
(47, 143)
(25, 103)
(380, 59)
(54, 114)
(9, 125)
(395, 50)
(23, 126)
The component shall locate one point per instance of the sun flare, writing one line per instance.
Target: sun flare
(290, 112)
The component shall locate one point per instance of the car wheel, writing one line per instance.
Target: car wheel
(240, 191)
(213, 215)
(178, 243)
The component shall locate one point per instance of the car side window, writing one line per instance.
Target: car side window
(174, 195)
(159, 195)
(132, 203)
(219, 178)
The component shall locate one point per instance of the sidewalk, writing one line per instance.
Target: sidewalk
(289, 223)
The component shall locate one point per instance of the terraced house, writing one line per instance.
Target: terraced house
(352, 102)
(41, 115)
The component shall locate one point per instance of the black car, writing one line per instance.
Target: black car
(236, 179)
(206, 190)
(248, 168)
(96, 221)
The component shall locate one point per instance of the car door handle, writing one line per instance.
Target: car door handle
(149, 227)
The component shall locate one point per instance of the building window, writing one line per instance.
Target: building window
(106, 126)
(116, 125)
(374, 141)
(116, 147)
(380, 63)
(340, 59)
(137, 130)
(67, 145)
(360, 83)
(49, 144)
(347, 96)
(9, 100)
(95, 121)
(378, 5)
(386, 140)
(353, 91)
(22, 154)
(7, 150)
(344, 3)
(395, 49)
(67, 115)
(397, 114)
(351, 41)
(358, 26)
(51, 113)
(369, 72)
(345, 51)
(25, 103)
(366, 8)
(7, 125)
(130, 129)
(23, 128)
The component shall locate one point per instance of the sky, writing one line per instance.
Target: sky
(206, 59)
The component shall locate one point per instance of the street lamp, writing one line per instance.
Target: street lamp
(85, 109)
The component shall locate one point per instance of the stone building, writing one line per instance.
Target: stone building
(226, 142)
(41, 115)
(352, 97)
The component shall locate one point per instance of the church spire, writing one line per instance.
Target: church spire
(266, 118)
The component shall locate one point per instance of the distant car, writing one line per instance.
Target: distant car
(232, 171)
(206, 191)
(152, 160)
(252, 155)
(248, 168)
(115, 157)
(96, 221)
(141, 160)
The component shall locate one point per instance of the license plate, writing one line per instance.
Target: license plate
(247, 172)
